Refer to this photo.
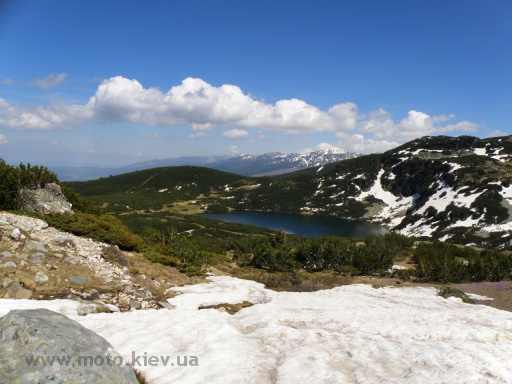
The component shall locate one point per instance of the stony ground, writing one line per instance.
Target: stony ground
(41, 262)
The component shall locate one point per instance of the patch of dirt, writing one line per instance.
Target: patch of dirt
(229, 308)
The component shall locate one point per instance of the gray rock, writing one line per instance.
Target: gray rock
(112, 308)
(6, 282)
(9, 264)
(60, 240)
(58, 255)
(41, 278)
(15, 234)
(25, 226)
(45, 200)
(70, 260)
(78, 279)
(26, 334)
(23, 293)
(165, 304)
(14, 288)
(6, 254)
(86, 309)
(34, 246)
(38, 257)
(134, 304)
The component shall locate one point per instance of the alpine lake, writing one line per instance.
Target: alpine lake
(303, 225)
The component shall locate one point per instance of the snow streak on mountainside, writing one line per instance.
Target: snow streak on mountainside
(247, 165)
(278, 163)
(435, 186)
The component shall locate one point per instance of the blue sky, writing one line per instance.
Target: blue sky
(110, 83)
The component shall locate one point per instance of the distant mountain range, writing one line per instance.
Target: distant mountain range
(247, 165)
(449, 188)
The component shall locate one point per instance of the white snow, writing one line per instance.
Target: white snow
(395, 206)
(506, 192)
(455, 166)
(446, 195)
(379, 192)
(474, 296)
(496, 155)
(480, 151)
(349, 334)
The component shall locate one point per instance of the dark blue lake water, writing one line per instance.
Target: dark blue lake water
(304, 225)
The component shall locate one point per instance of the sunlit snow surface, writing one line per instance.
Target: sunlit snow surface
(350, 334)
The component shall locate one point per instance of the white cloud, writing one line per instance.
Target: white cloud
(358, 143)
(318, 147)
(415, 124)
(234, 150)
(235, 134)
(49, 81)
(198, 135)
(497, 133)
(202, 127)
(259, 137)
(151, 136)
(9, 81)
(203, 106)
(3, 139)
(57, 114)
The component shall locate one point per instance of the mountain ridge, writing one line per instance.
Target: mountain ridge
(448, 188)
(244, 164)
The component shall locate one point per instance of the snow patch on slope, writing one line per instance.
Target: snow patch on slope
(395, 206)
(348, 334)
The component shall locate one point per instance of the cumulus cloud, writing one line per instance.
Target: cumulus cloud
(318, 147)
(415, 124)
(497, 133)
(49, 81)
(202, 106)
(235, 134)
(360, 144)
(3, 139)
(57, 114)
(198, 135)
(202, 127)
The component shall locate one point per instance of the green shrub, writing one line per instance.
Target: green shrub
(104, 228)
(162, 259)
(453, 292)
(113, 254)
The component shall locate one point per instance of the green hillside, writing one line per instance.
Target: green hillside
(449, 188)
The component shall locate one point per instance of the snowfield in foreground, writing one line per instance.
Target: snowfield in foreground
(349, 334)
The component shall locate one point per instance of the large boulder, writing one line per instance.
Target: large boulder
(48, 199)
(41, 346)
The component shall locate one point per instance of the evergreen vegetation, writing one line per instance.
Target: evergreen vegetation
(13, 179)
(443, 262)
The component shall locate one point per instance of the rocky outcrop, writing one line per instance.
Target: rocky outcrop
(41, 262)
(48, 199)
(42, 346)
